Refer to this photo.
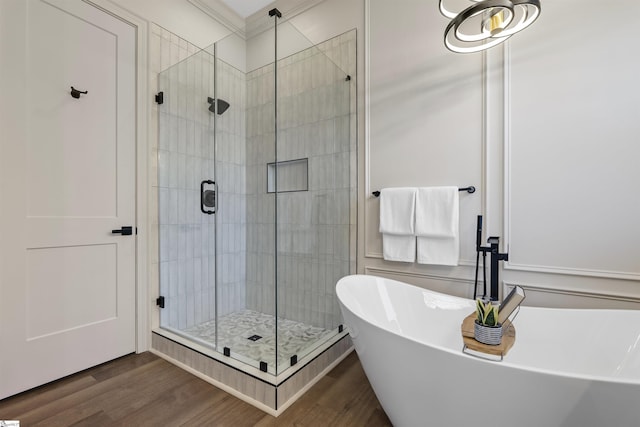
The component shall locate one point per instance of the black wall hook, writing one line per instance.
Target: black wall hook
(76, 93)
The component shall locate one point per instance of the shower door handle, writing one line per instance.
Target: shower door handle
(208, 197)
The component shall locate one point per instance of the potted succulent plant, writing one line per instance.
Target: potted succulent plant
(487, 330)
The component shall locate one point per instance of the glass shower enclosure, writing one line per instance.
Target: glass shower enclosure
(256, 196)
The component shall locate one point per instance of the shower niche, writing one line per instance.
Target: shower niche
(256, 209)
(288, 175)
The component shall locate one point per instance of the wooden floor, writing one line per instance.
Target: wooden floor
(145, 390)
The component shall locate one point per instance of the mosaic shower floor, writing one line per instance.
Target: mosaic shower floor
(236, 329)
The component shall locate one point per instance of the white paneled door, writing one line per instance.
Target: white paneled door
(67, 179)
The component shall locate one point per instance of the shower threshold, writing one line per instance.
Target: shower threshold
(251, 338)
(264, 390)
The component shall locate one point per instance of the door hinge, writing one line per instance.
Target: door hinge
(160, 301)
(160, 98)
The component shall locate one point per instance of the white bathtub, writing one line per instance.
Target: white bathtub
(567, 367)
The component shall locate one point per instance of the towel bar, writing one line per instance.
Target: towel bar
(469, 190)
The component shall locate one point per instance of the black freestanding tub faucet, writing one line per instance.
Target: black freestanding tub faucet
(496, 256)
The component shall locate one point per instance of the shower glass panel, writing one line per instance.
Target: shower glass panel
(256, 195)
(312, 222)
(245, 144)
(186, 159)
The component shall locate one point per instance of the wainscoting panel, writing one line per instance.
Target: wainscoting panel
(542, 296)
(446, 285)
(572, 143)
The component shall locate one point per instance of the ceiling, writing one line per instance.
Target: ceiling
(245, 8)
(248, 17)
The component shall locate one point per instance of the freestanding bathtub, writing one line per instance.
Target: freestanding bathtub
(569, 368)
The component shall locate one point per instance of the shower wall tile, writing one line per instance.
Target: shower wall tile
(230, 177)
(315, 237)
(182, 158)
(312, 225)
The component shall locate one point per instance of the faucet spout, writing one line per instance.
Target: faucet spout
(496, 256)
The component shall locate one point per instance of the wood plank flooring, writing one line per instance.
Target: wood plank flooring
(145, 390)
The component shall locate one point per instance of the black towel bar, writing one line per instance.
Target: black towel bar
(469, 190)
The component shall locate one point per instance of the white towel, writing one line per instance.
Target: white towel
(399, 248)
(397, 223)
(437, 225)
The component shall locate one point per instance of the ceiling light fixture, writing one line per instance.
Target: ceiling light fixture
(487, 23)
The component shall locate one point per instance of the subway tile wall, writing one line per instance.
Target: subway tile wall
(315, 228)
(261, 215)
(189, 247)
(230, 176)
(170, 231)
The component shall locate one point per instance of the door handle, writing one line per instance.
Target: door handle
(207, 197)
(127, 230)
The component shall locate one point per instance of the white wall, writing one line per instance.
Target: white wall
(545, 129)
(571, 153)
(425, 114)
(441, 118)
(425, 123)
(232, 50)
(546, 137)
(178, 16)
(260, 47)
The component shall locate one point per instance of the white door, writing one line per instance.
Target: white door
(67, 179)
